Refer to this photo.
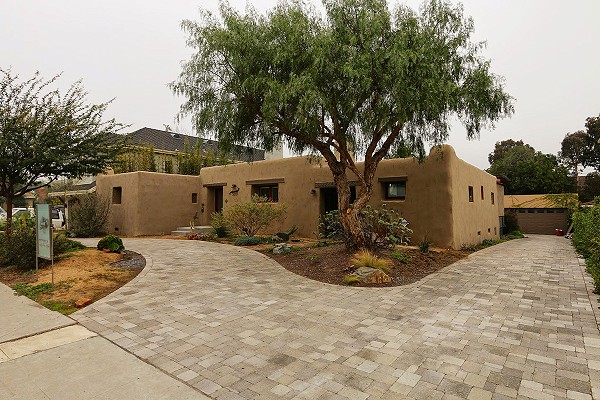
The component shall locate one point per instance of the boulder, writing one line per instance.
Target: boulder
(280, 248)
(371, 275)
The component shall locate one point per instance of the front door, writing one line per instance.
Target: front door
(218, 199)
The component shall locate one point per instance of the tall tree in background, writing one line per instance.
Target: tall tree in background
(45, 135)
(360, 79)
(592, 157)
(574, 151)
(529, 171)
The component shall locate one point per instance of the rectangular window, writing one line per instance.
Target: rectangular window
(492, 197)
(482, 193)
(560, 211)
(395, 190)
(194, 198)
(550, 211)
(271, 192)
(470, 194)
(530, 211)
(522, 211)
(117, 194)
(540, 211)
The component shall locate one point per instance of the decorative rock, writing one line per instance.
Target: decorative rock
(280, 248)
(371, 275)
(83, 302)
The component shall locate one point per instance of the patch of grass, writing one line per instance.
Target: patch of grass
(425, 245)
(351, 279)
(365, 258)
(400, 256)
(63, 308)
(247, 241)
(33, 292)
(513, 235)
(312, 257)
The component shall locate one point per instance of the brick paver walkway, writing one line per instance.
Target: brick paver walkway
(512, 321)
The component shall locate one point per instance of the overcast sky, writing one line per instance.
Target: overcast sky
(547, 50)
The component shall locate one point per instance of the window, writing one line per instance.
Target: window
(482, 193)
(522, 211)
(550, 211)
(395, 190)
(470, 194)
(530, 210)
(271, 192)
(194, 198)
(116, 194)
(492, 197)
(540, 211)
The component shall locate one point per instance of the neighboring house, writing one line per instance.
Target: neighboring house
(537, 213)
(444, 199)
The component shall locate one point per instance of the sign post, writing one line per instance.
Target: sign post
(43, 228)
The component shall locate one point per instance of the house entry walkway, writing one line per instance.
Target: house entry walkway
(512, 321)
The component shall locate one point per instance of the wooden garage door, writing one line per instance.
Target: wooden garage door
(542, 221)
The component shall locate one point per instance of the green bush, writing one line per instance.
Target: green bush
(425, 244)
(88, 215)
(586, 239)
(112, 243)
(217, 221)
(247, 241)
(19, 248)
(400, 256)
(382, 227)
(513, 235)
(251, 217)
(63, 244)
(511, 222)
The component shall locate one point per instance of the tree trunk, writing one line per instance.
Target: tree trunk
(9, 212)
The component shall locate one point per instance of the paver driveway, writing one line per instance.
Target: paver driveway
(514, 320)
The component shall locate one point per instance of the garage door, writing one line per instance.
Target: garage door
(542, 221)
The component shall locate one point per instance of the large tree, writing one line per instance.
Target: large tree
(45, 135)
(360, 79)
(574, 150)
(529, 171)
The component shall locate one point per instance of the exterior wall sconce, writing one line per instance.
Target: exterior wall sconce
(313, 191)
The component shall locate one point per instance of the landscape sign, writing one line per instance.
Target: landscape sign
(43, 223)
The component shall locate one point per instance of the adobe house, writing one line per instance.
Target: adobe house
(537, 214)
(443, 198)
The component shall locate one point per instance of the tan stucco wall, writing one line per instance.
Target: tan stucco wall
(151, 203)
(436, 203)
(478, 220)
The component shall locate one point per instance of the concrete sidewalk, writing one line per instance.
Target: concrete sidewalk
(45, 355)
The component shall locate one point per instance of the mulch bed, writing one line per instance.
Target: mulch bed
(131, 261)
(330, 264)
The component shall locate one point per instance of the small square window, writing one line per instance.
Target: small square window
(492, 197)
(117, 193)
(270, 192)
(194, 198)
(395, 190)
(470, 194)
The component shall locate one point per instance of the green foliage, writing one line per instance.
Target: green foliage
(325, 83)
(247, 241)
(217, 221)
(383, 227)
(44, 134)
(88, 215)
(586, 239)
(19, 248)
(251, 217)
(59, 306)
(33, 292)
(591, 188)
(513, 235)
(425, 244)
(511, 222)
(62, 244)
(365, 258)
(191, 160)
(351, 280)
(112, 243)
(135, 158)
(529, 172)
(400, 256)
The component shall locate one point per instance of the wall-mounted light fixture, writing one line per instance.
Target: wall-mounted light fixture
(313, 191)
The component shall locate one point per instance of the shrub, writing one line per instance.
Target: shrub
(63, 244)
(365, 258)
(586, 239)
(88, 215)
(425, 244)
(18, 248)
(251, 217)
(513, 235)
(330, 226)
(351, 279)
(383, 227)
(217, 221)
(400, 256)
(247, 241)
(511, 223)
(112, 243)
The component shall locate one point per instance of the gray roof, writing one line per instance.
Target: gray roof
(172, 141)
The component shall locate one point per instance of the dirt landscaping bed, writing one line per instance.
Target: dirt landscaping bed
(80, 275)
(330, 264)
